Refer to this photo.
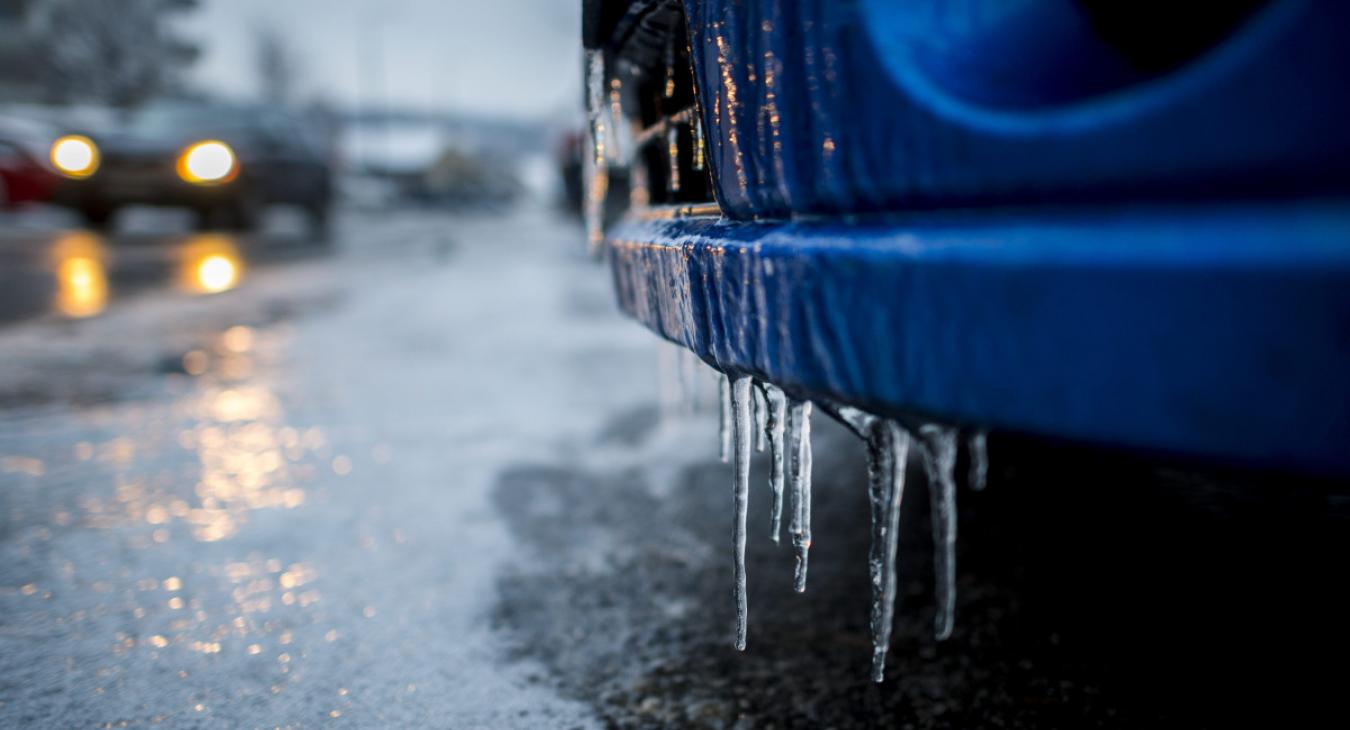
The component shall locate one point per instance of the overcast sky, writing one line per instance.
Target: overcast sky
(514, 57)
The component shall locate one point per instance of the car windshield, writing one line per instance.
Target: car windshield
(176, 119)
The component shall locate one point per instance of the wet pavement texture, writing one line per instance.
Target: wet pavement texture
(423, 476)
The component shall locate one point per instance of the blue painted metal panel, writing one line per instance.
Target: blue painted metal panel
(843, 106)
(1220, 332)
(1097, 276)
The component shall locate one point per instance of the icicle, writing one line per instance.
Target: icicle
(761, 419)
(724, 390)
(672, 130)
(740, 406)
(887, 453)
(597, 165)
(940, 463)
(799, 419)
(697, 128)
(616, 141)
(777, 417)
(639, 195)
(597, 192)
(670, 67)
(595, 103)
(673, 152)
(979, 460)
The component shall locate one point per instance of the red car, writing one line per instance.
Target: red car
(25, 176)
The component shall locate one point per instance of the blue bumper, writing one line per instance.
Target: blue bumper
(1221, 333)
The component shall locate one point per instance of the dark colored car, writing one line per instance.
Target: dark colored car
(226, 163)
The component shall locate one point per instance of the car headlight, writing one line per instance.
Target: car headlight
(75, 156)
(208, 163)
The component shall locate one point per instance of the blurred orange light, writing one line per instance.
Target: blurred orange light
(208, 163)
(75, 156)
(81, 279)
(217, 273)
(211, 264)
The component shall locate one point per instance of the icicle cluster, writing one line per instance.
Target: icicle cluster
(783, 425)
(774, 419)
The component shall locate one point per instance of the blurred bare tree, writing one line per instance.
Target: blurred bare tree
(276, 65)
(118, 52)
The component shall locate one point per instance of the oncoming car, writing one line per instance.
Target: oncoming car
(226, 163)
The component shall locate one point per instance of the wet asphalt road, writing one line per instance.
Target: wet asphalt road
(423, 476)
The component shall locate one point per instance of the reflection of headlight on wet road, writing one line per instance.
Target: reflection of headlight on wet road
(81, 279)
(211, 264)
(75, 156)
(208, 162)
